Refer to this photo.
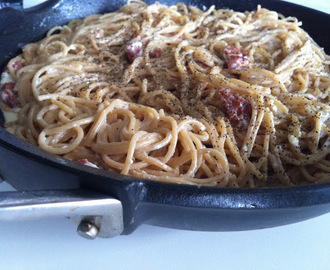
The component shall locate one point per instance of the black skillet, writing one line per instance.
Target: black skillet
(170, 205)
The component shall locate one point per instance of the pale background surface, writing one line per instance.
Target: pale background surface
(54, 244)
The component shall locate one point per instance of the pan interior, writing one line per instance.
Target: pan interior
(40, 32)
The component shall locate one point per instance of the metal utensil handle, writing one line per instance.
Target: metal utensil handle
(17, 4)
(22, 5)
(95, 214)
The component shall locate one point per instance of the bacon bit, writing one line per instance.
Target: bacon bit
(97, 33)
(9, 96)
(181, 38)
(134, 49)
(17, 65)
(170, 34)
(201, 64)
(238, 109)
(155, 52)
(87, 163)
(236, 58)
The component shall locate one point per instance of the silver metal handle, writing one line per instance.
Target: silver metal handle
(25, 4)
(94, 213)
(16, 4)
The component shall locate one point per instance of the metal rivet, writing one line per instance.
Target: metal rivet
(87, 230)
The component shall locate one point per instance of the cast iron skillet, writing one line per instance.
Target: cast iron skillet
(171, 205)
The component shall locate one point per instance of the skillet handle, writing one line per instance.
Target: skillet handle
(95, 213)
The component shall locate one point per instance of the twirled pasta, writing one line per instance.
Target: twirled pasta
(178, 94)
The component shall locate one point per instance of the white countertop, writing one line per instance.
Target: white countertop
(54, 244)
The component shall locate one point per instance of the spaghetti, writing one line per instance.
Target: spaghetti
(177, 94)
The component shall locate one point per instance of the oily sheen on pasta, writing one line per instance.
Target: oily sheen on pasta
(178, 94)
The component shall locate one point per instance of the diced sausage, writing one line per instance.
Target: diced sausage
(9, 96)
(236, 58)
(237, 108)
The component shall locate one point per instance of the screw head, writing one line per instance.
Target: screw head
(87, 230)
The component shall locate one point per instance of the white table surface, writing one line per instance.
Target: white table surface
(54, 244)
